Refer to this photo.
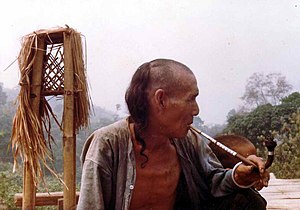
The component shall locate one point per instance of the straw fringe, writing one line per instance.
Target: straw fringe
(27, 139)
(82, 98)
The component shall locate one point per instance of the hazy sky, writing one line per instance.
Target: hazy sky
(223, 42)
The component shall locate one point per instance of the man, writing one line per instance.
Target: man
(152, 160)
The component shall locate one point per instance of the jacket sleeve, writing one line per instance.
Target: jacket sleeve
(91, 192)
(219, 179)
(96, 180)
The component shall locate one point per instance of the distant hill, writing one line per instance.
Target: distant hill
(99, 117)
(12, 94)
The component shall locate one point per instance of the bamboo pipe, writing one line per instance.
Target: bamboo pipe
(225, 148)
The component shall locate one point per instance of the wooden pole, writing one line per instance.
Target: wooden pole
(29, 190)
(69, 138)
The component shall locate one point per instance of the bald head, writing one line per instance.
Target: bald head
(166, 74)
(157, 74)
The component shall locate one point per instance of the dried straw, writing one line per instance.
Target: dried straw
(27, 140)
(82, 99)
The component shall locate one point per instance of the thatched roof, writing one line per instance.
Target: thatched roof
(29, 125)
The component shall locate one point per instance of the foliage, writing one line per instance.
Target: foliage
(211, 130)
(252, 125)
(292, 100)
(6, 110)
(10, 183)
(263, 89)
(263, 120)
(273, 121)
(287, 159)
(6, 115)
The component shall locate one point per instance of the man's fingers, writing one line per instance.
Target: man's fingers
(258, 162)
(261, 183)
(266, 178)
(266, 182)
(258, 185)
(247, 174)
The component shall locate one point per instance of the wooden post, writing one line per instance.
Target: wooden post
(69, 138)
(29, 190)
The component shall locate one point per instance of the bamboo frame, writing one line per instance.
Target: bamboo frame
(35, 90)
(44, 74)
(69, 137)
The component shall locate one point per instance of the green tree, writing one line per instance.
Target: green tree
(6, 117)
(10, 184)
(263, 121)
(292, 99)
(211, 130)
(252, 125)
(287, 154)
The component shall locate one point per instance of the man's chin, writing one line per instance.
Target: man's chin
(181, 134)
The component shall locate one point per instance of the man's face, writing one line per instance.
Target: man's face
(182, 107)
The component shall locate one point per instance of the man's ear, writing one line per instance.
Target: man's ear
(160, 98)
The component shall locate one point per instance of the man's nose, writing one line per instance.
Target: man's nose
(196, 109)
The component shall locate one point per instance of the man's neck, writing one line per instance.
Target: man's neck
(154, 138)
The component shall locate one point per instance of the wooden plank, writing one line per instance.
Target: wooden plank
(282, 194)
(284, 204)
(69, 138)
(54, 35)
(60, 204)
(43, 199)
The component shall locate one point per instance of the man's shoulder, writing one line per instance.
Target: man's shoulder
(114, 128)
(116, 131)
(107, 138)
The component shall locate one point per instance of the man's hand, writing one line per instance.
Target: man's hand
(250, 175)
(263, 182)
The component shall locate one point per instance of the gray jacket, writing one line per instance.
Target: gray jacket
(109, 171)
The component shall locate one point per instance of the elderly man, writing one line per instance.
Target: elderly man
(152, 160)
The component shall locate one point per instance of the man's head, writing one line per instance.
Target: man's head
(163, 91)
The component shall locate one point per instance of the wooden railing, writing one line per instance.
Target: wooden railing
(45, 199)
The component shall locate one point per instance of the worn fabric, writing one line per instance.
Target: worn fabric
(109, 171)
(241, 199)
